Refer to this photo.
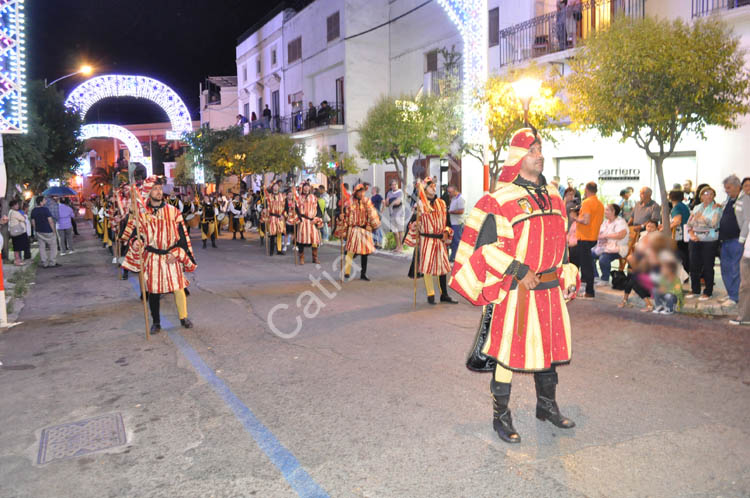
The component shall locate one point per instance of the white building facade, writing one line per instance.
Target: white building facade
(218, 102)
(349, 53)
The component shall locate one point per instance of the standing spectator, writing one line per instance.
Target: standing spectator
(736, 212)
(687, 187)
(377, 203)
(556, 183)
(743, 305)
(697, 197)
(678, 218)
(626, 204)
(17, 229)
(65, 227)
(456, 218)
(25, 211)
(253, 120)
(312, 115)
(612, 243)
(572, 238)
(645, 210)
(569, 198)
(394, 201)
(267, 117)
(44, 226)
(576, 193)
(589, 221)
(703, 230)
(324, 201)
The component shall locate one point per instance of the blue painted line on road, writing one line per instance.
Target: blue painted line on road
(282, 458)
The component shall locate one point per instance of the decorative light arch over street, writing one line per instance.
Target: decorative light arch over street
(122, 134)
(95, 89)
(12, 67)
(471, 18)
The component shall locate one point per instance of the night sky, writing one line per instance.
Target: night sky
(179, 42)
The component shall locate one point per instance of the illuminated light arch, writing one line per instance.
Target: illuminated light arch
(12, 67)
(122, 134)
(95, 89)
(471, 18)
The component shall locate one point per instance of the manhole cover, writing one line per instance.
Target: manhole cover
(79, 438)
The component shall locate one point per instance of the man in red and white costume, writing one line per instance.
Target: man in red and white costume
(513, 261)
(166, 250)
(359, 219)
(310, 219)
(429, 226)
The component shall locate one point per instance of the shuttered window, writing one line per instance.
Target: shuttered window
(432, 61)
(333, 26)
(294, 50)
(494, 22)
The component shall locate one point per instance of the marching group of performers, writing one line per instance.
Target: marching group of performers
(512, 259)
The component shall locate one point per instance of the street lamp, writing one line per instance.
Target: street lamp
(85, 70)
(526, 89)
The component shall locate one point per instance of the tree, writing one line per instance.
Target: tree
(260, 152)
(505, 113)
(395, 129)
(202, 143)
(51, 148)
(654, 80)
(331, 163)
(184, 175)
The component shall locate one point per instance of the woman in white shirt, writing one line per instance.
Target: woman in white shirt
(612, 243)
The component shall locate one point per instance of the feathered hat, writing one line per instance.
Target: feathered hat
(520, 144)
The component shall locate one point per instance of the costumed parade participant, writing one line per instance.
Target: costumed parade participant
(513, 261)
(273, 218)
(429, 226)
(310, 221)
(209, 221)
(164, 250)
(188, 212)
(290, 214)
(175, 201)
(359, 219)
(237, 217)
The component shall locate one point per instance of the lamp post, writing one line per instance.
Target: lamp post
(85, 70)
(526, 89)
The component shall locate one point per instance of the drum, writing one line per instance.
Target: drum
(193, 221)
(223, 219)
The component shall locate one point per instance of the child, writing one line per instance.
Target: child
(668, 296)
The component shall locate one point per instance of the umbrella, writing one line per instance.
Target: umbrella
(59, 191)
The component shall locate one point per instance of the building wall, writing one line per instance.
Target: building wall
(223, 115)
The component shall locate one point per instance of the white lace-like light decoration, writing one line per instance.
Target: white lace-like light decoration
(12, 67)
(122, 134)
(471, 18)
(95, 89)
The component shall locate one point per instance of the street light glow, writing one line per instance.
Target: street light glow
(526, 89)
(86, 70)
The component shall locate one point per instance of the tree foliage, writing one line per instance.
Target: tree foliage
(202, 143)
(330, 163)
(184, 170)
(654, 80)
(51, 148)
(258, 152)
(396, 128)
(505, 114)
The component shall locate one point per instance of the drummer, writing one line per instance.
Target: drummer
(209, 225)
(188, 212)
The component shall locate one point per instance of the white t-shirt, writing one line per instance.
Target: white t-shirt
(611, 245)
(457, 203)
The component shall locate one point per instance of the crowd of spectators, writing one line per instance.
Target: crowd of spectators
(655, 261)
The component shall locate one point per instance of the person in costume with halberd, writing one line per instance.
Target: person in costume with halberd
(165, 249)
(513, 261)
(273, 218)
(357, 222)
(310, 219)
(428, 225)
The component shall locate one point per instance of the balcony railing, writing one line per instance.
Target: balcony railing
(301, 120)
(444, 81)
(706, 7)
(563, 29)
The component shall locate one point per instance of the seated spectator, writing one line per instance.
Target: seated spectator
(612, 243)
(668, 296)
(645, 210)
(641, 264)
(703, 230)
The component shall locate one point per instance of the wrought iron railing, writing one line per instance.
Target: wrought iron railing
(332, 114)
(445, 81)
(706, 7)
(563, 29)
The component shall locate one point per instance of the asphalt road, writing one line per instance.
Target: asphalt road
(369, 399)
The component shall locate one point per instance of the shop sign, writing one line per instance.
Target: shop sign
(620, 174)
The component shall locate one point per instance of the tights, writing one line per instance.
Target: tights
(179, 298)
(348, 266)
(429, 285)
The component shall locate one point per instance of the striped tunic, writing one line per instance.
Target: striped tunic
(310, 220)
(359, 220)
(161, 231)
(506, 234)
(433, 252)
(291, 212)
(273, 214)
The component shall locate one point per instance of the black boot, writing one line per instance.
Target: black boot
(204, 243)
(502, 421)
(546, 406)
(213, 243)
(155, 328)
(242, 235)
(444, 297)
(186, 323)
(363, 273)
(431, 299)
(234, 236)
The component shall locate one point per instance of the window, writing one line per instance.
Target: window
(333, 26)
(244, 74)
(246, 110)
(273, 57)
(494, 22)
(294, 50)
(432, 61)
(257, 66)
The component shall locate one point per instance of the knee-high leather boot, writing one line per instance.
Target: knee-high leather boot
(502, 421)
(546, 406)
(444, 297)
(315, 255)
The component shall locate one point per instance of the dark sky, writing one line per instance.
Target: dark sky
(178, 42)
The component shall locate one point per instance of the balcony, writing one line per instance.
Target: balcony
(443, 81)
(564, 29)
(707, 7)
(303, 122)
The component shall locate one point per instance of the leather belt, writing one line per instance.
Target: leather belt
(523, 297)
(431, 235)
(161, 252)
(275, 215)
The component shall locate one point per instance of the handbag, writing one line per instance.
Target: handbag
(16, 229)
(477, 361)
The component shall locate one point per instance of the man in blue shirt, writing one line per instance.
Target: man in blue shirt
(729, 235)
(44, 227)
